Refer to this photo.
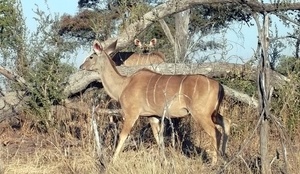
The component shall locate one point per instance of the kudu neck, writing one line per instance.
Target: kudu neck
(113, 82)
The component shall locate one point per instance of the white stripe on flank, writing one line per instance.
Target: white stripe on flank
(154, 91)
(208, 84)
(195, 87)
(180, 88)
(147, 100)
(167, 84)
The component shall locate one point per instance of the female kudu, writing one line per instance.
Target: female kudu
(147, 93)
(144, 58)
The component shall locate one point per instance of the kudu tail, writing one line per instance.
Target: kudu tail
(221, 94)
(222, 121)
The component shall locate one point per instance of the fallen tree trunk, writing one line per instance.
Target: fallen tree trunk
(79, 81)
(10, 104)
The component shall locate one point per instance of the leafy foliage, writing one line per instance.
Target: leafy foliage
(286, 104)
(100, 21)
(49, 70)
(275, 50)
(88, 3)
(40, 58)
(8, 21)
(112, 17)
(12, 39)
(85, 25)
(240, 84)
(212, 18)
(288, 66)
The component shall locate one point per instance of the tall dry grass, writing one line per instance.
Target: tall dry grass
(70, 147)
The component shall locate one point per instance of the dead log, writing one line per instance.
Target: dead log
(10, 104)
(79, 81)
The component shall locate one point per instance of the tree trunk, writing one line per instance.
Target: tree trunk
(264, 92)
(182, 21)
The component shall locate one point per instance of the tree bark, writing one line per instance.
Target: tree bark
(264, 89)
(182, 21)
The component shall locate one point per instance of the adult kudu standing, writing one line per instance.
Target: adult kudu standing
(147, 93)
(147, 57)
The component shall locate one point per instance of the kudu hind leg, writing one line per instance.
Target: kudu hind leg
(127, 126)
(155, 126)
(225, 124)
(210, 128)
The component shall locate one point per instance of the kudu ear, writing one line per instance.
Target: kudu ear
(111, 48)
(152, 42)
(97, 47)
(137, 43)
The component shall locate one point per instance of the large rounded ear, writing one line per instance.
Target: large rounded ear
(111, 48)
(152, 42)
(97, 47)
(137, 43)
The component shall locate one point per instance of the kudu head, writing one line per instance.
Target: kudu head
(95, 61)
(145, 47)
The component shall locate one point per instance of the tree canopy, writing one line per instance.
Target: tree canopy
(97, 19)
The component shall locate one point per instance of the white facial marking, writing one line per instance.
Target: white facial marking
(87, 57)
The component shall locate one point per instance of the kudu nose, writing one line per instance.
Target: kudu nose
(81, 67)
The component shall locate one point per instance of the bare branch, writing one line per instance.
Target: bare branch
(167, 31)
(11, 76)
(175, 6)
(285, 17)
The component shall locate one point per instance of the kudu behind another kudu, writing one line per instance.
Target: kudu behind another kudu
(147, 93)
(147, 57)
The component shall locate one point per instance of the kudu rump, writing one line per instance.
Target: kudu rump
(144, 58)
(147, 93)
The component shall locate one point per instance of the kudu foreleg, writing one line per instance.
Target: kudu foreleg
(127, 126)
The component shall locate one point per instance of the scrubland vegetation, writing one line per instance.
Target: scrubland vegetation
(70, 147)
(52, 133)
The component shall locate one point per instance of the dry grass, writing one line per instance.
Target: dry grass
(27, 151)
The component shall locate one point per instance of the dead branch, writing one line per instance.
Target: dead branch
(174, 6)
(81, 79)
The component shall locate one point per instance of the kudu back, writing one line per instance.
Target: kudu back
(147, 57)
(147, 93)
